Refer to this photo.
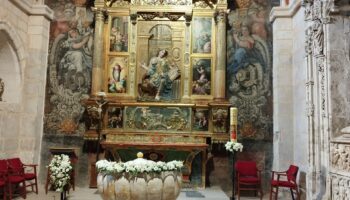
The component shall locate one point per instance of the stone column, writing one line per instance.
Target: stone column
(97, 63)
(220, 70)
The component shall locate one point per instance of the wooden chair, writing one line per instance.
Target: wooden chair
(288, 181)
(248, 177)
(13, 178)
(16, 164)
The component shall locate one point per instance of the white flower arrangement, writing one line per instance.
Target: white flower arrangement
(60, 169)
(137, 166)
(233, 146)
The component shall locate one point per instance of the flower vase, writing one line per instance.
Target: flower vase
(100, 177)
(138, 186)
(178, 183)
(154, 186)
(108, 188)
(168, 185)
(122, 188)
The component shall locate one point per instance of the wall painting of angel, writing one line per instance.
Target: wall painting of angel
(117, 74)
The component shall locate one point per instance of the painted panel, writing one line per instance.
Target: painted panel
(118, 39)
(201, 34)
(201, 76)
(201, 119)
(117, 74)
(115, 117)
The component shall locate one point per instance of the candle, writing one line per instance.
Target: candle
(233, 135)
(233, 116)
(233, 124)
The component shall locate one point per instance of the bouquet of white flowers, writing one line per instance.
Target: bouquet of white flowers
(60, 170)
(137, 166)
(233, 146)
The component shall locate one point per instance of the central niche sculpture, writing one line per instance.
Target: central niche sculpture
(159, 72)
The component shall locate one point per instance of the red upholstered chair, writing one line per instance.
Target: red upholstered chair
(17, 166)
(286, 179)
(3, 178)
(13, 178)
(248, 177)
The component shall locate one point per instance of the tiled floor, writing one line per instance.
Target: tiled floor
(212, 193)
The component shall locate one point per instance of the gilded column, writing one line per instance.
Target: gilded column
(97, 62)
(187, 49)
(220, 70)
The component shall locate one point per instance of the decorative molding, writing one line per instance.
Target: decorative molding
(35, 10)
(285, 12)
(172, 16)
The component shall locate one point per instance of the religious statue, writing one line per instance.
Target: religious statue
(159, 77)
(2, 88)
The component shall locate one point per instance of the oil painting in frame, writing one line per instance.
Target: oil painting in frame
(202, 35)
(201, 119)
(115, 117)
(201, 76)
(118, 37)
(117, 74)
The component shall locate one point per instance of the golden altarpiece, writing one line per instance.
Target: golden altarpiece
(161, 64)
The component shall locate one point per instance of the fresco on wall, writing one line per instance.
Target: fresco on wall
(70, 65)
(249, 67)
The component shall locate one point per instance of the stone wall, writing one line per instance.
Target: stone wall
(24, 31)
(290, 142)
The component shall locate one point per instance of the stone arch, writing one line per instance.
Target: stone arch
(12, 57)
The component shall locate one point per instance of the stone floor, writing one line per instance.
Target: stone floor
(212, 193)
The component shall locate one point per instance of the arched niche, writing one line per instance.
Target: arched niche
(10, 70)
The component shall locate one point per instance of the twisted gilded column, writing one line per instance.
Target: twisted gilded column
(220, 70)
(97, 62)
